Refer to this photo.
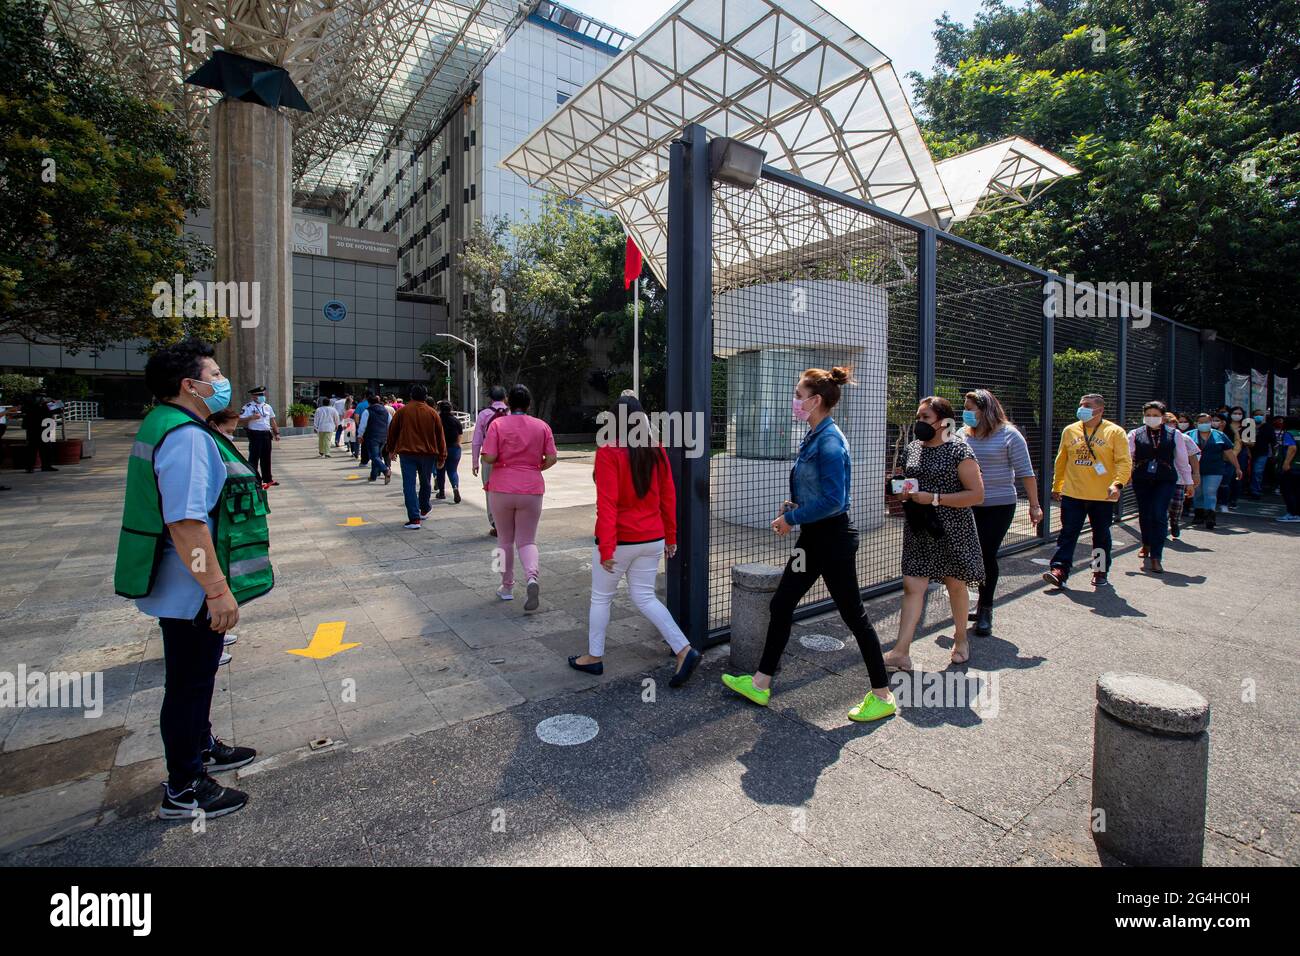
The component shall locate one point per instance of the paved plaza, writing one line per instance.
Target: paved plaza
(424, 733)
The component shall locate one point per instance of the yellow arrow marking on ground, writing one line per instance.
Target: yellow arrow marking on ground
(326, 642)
(353, 523)
(352, 478)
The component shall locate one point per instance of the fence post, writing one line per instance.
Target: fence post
(1121, 361)
(690, 370)
(1046, 412)
(926, 305)
(1173, 366)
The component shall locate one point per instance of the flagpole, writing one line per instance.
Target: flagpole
(636, 336)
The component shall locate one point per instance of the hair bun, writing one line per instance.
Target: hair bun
(841, 374)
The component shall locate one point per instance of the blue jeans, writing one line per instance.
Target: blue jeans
(375, 451)
(1100, 514)
(414, 466)
(1257, 466)
(448, 470)
(1153, 499)
(1207, 496)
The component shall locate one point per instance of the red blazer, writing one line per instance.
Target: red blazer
(622, 517)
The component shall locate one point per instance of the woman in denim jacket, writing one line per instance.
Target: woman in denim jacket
(827, 547)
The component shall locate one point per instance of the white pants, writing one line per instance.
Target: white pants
(640, 562)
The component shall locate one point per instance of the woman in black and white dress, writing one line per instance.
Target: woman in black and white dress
(940, 542)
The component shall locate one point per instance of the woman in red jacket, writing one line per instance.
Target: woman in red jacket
(636, 525)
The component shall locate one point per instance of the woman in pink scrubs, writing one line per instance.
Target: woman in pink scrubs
(519, 448)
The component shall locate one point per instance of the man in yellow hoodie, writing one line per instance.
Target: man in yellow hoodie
(1092, 467)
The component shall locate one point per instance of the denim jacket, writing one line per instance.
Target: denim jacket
(821, 477)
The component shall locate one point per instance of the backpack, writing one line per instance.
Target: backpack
(496, 413)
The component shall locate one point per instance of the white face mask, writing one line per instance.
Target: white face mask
(1153, 421)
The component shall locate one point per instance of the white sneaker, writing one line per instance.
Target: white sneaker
(505, 594)
(1289, 518)
(225, 659)
(229, 639)
(1223, 509)
(412, 526)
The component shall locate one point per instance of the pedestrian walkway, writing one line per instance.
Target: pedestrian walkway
(427, 748)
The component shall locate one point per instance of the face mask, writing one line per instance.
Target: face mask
(1236, 418)
(220, 396)
(1183, 426)
(1154, 421)
(924, 431)
(796, 406)
(1083, 413)
(259, 399)
(970, 418)
(1217, 426)
(1259, 419)
(1203, 427)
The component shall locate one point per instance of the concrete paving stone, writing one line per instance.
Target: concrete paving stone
(283, 709)
(290, 673)
(37, 726)
(480, 631)
(410, 713)
(43, 815)
(272, 740)
(474, 699)
(422, 623)
(526, 829)
(551, 622)
(1225, 851)
(142, 742)
(438, 673)
(134, 790)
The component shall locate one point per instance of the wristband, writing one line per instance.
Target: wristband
(213, 597)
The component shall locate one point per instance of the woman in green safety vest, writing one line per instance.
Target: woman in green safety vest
(193, 547)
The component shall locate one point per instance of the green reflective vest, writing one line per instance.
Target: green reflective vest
(239, 531)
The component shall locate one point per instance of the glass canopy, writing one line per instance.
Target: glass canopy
(370, 69)
(784, 75)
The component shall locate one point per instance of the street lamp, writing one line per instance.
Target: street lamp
(469, 345)
(446, 363)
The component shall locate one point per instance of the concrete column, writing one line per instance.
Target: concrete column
(1150, 764)
(752, 587)
(251, 220)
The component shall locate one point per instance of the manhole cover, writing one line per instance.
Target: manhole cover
(566, 730)
(821, 642)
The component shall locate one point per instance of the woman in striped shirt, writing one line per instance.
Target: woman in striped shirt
(1003, 457)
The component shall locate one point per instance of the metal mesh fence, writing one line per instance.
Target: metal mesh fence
(989, 334)
(802, 283)
(802, 279)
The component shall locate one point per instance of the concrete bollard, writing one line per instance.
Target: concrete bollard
(1150, 763)
(752, 587)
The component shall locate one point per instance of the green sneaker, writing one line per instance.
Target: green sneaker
(744, 686)
(872, 708)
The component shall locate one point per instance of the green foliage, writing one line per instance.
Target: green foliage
(301, 410)
(439, 374)
(1184, 119)
(16, 388)
(94, 190)
(66, 385)
(1074, 373)
(537, 291)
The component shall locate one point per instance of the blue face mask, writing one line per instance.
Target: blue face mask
(1083, 413)
(1259, 419)
(220, 396)
(970, 418)
(1202, 426)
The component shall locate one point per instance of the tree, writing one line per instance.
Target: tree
(94, 184)
(1183, 118)
(536, 290)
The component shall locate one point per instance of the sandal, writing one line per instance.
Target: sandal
(907, 667)
(965, 657)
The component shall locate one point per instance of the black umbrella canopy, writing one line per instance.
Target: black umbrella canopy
(249, 80)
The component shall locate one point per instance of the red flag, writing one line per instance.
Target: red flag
(631, 264)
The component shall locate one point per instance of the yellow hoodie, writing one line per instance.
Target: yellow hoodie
(1076, 476)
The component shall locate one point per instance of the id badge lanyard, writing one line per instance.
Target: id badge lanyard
(1097, 466)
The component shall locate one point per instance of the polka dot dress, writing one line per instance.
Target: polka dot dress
(957, 553)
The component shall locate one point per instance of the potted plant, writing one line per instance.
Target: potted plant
(300, 412)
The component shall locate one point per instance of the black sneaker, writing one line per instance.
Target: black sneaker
(455, 495)
(219, 757)
(204, 795)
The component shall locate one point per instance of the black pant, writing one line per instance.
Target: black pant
(825, 549)
(1100, 514)
(1290, 482)
(259, 455)
(37, 446)
(191, 653)
(1153, 499)
(992, 523)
